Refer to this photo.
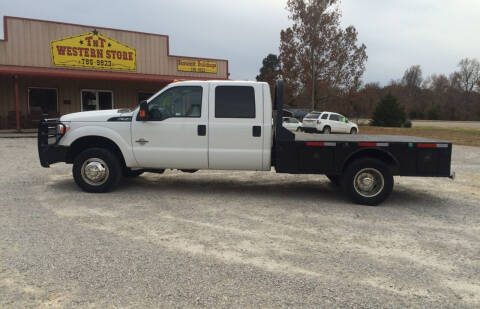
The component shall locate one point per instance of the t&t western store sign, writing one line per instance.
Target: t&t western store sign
(93, 50)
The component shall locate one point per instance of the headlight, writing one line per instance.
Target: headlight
(62, 128)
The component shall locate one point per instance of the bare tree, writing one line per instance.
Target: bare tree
(413, 77)
(321, 55)
(469, 74)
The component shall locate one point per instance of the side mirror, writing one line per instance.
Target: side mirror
(143, 112)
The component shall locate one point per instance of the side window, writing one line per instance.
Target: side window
(183, 101)
(334, 117)
(324, 116)
(234, 102)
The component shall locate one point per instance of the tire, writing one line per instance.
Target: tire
(378, 183)
(100, 160)
(132, 173)
(327, 130)
(334, 179)
(353, 131)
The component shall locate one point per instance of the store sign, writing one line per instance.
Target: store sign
(95, 51)
(198, 66)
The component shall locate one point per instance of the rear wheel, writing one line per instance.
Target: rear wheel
(368, 181)
(327, 130)
(97, 170)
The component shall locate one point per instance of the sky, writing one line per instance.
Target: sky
(435, 34)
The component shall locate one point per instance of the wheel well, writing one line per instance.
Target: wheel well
(93, 142)
(378, 154)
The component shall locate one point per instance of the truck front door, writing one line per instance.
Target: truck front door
(174, 136)
(235, 130)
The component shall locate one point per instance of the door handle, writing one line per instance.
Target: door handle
(141, 141)
(202, 130)
(256, 131)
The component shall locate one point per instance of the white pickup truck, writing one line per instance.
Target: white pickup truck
(228, 125)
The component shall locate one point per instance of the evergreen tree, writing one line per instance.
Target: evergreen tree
(388, 113)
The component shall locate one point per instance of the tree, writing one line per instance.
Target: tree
(413, 77)
(317, 54)
(469, 74)
(388, 113)
(270, 70)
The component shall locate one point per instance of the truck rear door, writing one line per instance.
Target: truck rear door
(235, 126)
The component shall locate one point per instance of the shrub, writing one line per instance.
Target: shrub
(407, 124)
(388, 113)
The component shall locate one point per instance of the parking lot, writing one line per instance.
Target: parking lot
(234, 239)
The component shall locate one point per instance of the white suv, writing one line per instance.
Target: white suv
(328, 122)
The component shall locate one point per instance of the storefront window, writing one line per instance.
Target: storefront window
(97, 100)
(42, 101)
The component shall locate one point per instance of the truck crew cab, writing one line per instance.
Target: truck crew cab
(229, 125)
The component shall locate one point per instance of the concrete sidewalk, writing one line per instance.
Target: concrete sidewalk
(26, 133)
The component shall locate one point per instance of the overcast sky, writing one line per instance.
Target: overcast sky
(433, 33)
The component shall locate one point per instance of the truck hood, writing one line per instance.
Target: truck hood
(96, 116)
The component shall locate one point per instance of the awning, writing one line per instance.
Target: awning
(91, 74)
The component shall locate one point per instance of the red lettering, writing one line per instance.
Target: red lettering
(124, 55)
(69, 51)
(95, 43)
(80, 51)
(130, 56)
(92, 52)
(102, 42)
(119, 55)
(85, 52)
(61, 50)
(99, 53)
(88, 39)
(74, 51)
(108, 54)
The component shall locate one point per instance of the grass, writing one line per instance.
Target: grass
(456, 135)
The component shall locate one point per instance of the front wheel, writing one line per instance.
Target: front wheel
(353, 131)
(368, 181)
(97, 170)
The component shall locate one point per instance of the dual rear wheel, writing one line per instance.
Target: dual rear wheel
(366, 181)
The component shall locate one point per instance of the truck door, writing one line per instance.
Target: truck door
(174, 136)
(235, 126)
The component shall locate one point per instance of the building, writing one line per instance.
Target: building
(48, 69)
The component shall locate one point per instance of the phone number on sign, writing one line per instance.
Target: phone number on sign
(98, 62)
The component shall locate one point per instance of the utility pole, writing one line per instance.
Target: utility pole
(313, 77)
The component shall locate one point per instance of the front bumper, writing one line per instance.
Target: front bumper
(49, 151)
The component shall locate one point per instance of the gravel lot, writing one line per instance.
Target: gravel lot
(234, 239)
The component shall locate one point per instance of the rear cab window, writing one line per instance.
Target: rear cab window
(325, 116)
(234, 102)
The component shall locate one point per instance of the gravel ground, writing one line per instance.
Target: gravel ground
(234, 239)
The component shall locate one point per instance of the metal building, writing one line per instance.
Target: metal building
(48, 69)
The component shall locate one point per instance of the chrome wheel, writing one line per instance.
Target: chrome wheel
(95, 171)
(368, 182)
